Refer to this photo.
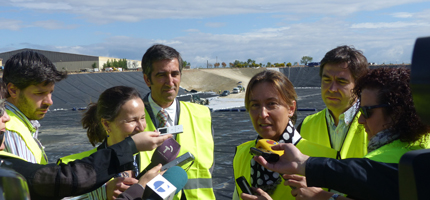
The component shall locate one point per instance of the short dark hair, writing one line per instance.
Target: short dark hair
(394, 90)
(357, 62)
(107, 107)
(156, 53)
(30, 68)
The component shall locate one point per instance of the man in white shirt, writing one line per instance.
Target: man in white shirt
(162, 66)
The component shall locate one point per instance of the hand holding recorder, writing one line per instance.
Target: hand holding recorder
(291, 162)
(147, 141)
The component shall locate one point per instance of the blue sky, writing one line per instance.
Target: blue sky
(222, 30)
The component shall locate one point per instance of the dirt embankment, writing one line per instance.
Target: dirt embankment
(216, 79)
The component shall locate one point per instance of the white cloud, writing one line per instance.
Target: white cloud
(52, 24)
(388, 25)
(108, 11)
(402, 15)
(10, 24)
(192, 30)
(287, 41)
(215, 24)
(43, 5)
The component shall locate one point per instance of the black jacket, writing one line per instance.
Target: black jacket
(360, 178)
(53, 181)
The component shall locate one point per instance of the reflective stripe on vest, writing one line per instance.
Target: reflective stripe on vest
(76, 156)
(16, 125)
(314, 129)
(198, 140)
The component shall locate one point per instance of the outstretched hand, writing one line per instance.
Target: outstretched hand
(147, 141)
(149, 175)
(292, 162)
(261, 195)
(117, 186)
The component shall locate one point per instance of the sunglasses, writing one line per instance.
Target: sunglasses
(366, 110)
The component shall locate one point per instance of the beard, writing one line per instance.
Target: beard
(28, 109)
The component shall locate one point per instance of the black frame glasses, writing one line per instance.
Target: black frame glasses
(365, 110)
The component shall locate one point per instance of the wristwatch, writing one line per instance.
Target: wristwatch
(334, 197)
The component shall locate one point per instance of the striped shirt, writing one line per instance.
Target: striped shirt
(338, 133)
(13, 141)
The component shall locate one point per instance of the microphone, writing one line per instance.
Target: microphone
(165, 187)
(163, 154)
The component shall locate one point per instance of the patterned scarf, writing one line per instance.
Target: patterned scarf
(380, 139)
(266, 179)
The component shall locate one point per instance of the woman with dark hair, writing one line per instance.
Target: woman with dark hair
(118, 113)
(388, 112)
(391, 122)
(53, 181)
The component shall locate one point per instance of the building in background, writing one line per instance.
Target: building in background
(73, 62)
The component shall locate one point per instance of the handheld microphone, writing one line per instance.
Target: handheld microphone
(163, 154)
(165, 187)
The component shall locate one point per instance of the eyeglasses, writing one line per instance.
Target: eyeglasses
(365, 110)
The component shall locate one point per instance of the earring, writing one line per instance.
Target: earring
(107, 133)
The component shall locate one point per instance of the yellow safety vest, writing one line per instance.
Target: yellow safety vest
(392, 152)
(70, 158)
(314, 129)
(16, 125)
(198, 140)
(242, 166)
(7, 154)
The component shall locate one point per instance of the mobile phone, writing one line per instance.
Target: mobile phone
(179, 161)
(171, 130)
(244, 185)
(267, 155)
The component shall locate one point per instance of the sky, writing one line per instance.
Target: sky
(204, 32)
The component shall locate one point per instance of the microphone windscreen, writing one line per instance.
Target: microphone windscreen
(166, 152)
(163, 154)
(177, 177)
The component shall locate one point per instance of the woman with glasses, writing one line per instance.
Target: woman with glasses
(393, 127)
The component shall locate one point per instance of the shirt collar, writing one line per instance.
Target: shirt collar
(171, 110)
(347, 116)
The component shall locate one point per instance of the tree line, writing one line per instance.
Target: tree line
(121, 63)
(251, 63)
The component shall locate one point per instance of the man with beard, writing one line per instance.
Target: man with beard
(162, 66)
(30, 79)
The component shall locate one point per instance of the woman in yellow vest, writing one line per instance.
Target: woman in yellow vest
(270, 99)
(118, 113)
(391, 122)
